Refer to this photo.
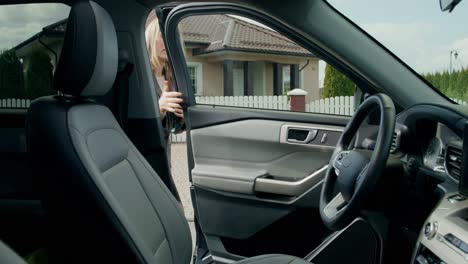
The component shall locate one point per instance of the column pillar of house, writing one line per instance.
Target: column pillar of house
(248, 78)
(277, 79)
(294, 74)
(228, 80)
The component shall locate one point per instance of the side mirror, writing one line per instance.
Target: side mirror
(448, 4)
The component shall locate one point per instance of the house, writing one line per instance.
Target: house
(49, 40)
(226, 56)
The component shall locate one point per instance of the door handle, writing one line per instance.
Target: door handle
(301, 135)
(290, 188)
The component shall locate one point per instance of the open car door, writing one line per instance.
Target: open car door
(257, 157)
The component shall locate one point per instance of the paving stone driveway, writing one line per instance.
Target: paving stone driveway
(181, 179)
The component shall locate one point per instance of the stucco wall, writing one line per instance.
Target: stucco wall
(212, 74)
(310, 81)
(213, 77)
(212, 67)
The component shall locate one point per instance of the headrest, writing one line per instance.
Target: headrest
(89, 58)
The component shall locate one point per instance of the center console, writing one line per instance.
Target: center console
(444, 238)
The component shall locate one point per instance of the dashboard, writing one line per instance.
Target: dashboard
(429, 145)
(434, 157)
(428, 139)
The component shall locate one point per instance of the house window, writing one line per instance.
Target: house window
(257, 69)
(196, 76)
(286, 79)
(193, 77)
(238, 78)
(259, 77)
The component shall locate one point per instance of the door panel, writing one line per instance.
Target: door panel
(256, 192)
(256, 149)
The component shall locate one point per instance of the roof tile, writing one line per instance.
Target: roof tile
(220, 32)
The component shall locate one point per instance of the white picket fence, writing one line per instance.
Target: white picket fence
(340, 105)
(458, 101)
(261, 102)
(14, 103)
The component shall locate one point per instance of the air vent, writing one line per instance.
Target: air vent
(453, 162)
(395, 142)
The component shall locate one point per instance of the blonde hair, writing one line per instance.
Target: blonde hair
(151, 35)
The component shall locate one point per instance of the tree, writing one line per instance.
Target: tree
(336, 83)
(431, 78)
(453, 85)
(462, 84)
(437, 81)
(11, 75)
(457, 84)
(39, 75)
(444, 82)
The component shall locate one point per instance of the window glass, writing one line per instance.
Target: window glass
(31, 38)
(235, 61)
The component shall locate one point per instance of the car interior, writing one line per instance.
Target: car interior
(87, 177)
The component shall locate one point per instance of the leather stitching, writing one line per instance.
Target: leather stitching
(159, 247)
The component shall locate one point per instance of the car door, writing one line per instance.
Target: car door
(260, 131)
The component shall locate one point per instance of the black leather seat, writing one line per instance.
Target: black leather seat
(104, 202)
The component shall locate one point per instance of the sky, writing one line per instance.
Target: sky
(20, 22)
(414, 30)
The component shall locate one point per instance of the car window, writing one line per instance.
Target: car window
(238, 62)
(31, 37)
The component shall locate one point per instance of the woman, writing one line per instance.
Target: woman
(169, 101)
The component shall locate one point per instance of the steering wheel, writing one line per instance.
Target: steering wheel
(351, 174)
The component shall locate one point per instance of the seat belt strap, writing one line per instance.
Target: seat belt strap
(121, 95)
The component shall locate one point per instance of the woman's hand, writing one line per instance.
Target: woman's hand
(170, 102)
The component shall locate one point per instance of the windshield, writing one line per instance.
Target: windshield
(433, 43)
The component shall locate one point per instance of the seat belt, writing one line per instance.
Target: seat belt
(121, 94)
(117, 97)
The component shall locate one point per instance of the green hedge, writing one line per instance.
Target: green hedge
(39, 75)
(454, 85)
(36, 82)
(11, 75)
(336, 83)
